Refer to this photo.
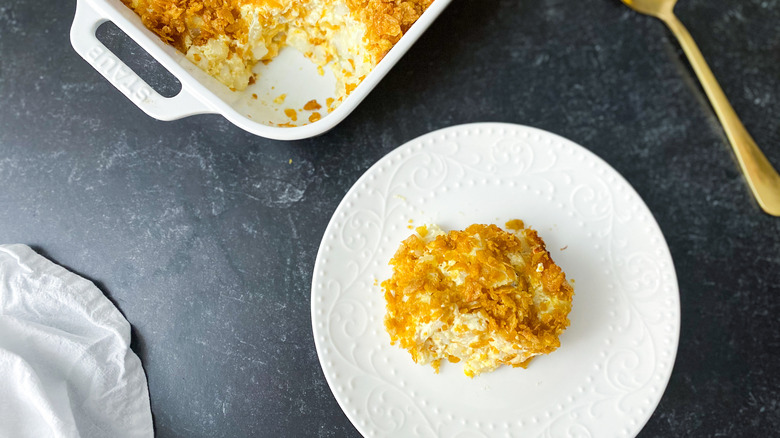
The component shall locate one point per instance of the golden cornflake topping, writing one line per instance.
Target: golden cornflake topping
(481, 295)
(387, 20)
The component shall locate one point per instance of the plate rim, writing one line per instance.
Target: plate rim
(666, 377)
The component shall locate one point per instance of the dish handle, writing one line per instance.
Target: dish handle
(85, 42)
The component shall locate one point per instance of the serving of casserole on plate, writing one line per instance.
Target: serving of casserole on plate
(283, 69)
(611, 363)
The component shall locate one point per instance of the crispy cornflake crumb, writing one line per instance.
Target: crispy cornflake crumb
(312, 105)
(482, 296)
(514, 225)
(280, 98)
(291, 113)
(314, 117)
(254, 96)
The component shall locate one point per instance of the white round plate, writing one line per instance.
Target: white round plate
(616, 357)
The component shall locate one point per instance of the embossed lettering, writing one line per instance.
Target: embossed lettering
(94, 52)
(143, 93)
(104, 63)
(124, 77)
(120, 75)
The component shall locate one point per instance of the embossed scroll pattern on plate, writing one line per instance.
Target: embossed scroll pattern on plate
(617, 355)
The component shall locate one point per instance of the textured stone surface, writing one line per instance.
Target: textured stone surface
(205, 236)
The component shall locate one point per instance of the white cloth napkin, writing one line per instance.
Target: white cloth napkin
(66, 368)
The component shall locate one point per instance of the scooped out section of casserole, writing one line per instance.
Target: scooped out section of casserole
(227, 38)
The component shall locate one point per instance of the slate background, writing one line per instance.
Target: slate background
(205, 236)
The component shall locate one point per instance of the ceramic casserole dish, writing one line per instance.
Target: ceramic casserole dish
(253, 109)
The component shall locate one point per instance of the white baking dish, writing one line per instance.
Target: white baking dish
(290, 73)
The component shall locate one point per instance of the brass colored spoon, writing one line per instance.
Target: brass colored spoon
(761, 177)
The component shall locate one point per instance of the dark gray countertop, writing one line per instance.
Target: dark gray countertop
(205, 236)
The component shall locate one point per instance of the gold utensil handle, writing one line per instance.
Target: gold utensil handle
(761, 176)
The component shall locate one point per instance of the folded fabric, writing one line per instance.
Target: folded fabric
(66, 368)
